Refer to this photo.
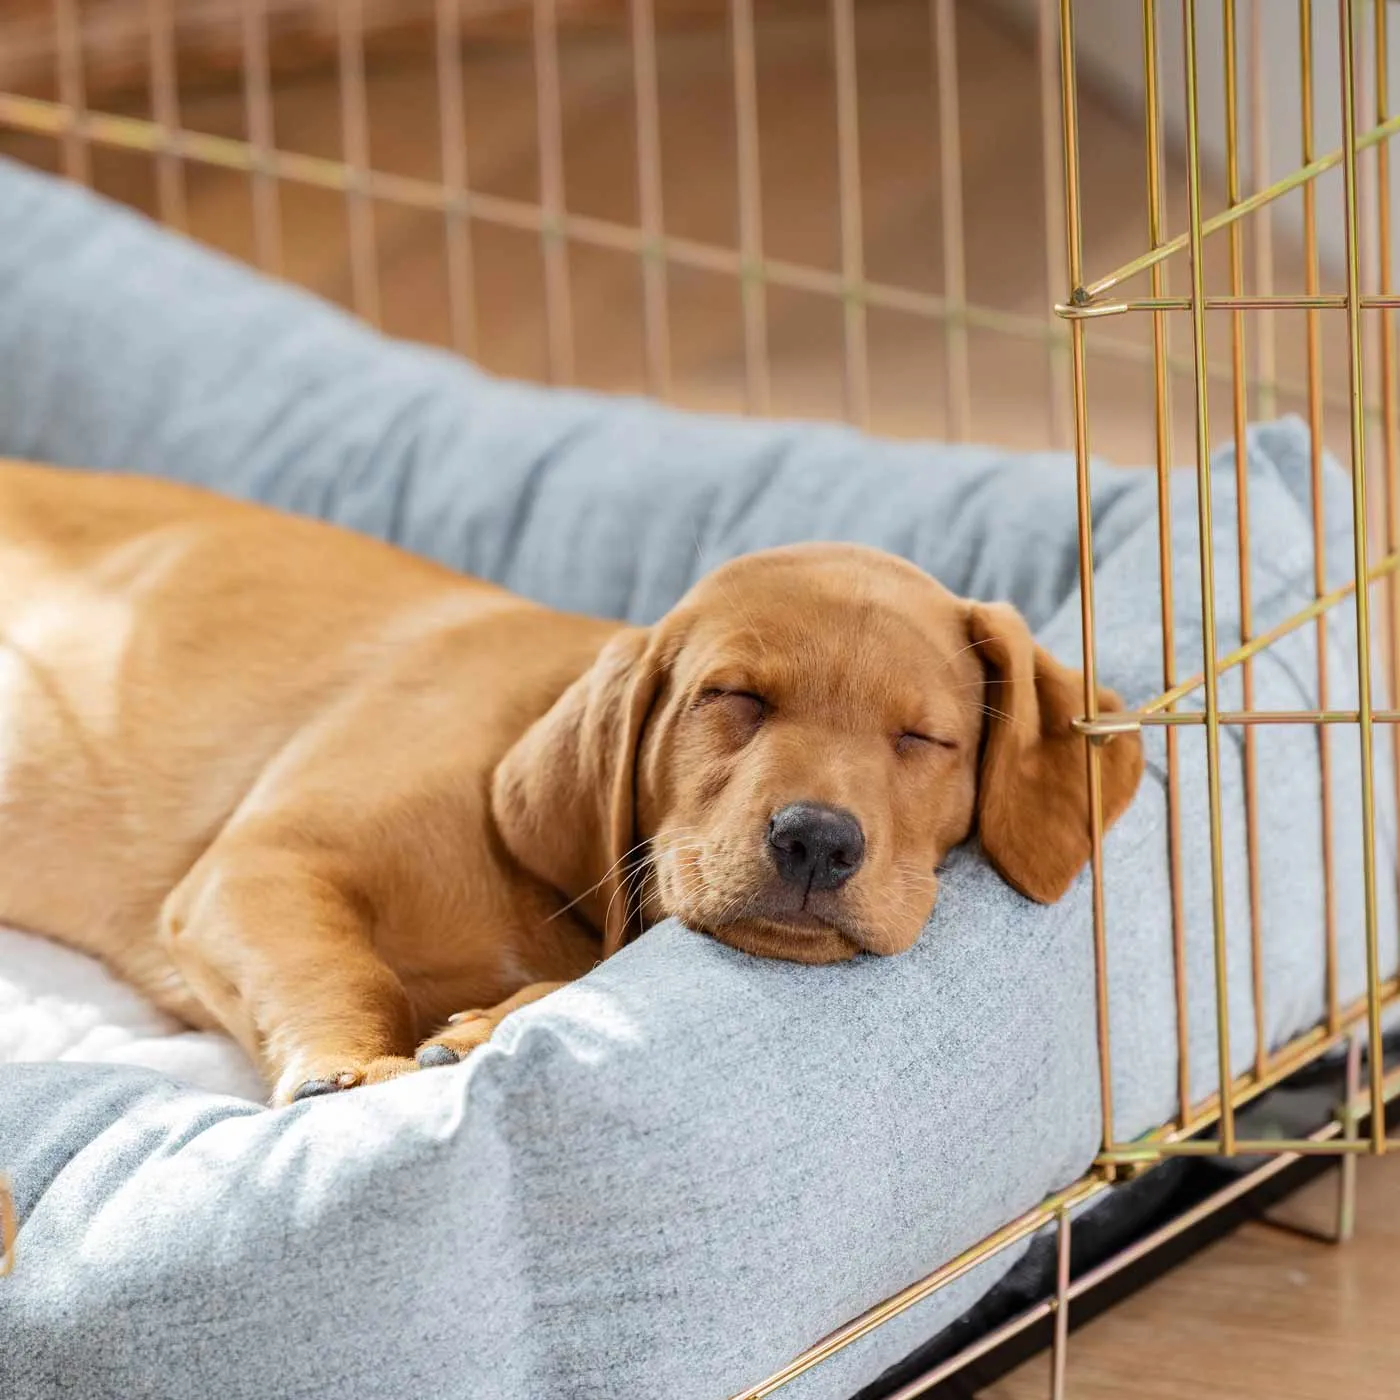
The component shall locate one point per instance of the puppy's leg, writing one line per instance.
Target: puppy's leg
(469, 1029)
(281, 953)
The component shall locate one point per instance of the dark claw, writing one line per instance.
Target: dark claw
(313, 1088)
(431, 1055)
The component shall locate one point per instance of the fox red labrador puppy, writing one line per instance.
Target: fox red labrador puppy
(355, 808)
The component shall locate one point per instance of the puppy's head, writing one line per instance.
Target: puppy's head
(784, 760)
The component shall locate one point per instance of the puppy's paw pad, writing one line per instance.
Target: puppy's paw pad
(325, 1083)
(331, 1080)
(465, 1032)
(314, 1088)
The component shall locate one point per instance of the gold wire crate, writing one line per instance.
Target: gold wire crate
(1124, 317)
(1090, 301)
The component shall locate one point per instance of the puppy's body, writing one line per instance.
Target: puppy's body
(181, 672)
(298, 784)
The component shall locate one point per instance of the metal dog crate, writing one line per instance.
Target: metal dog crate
(95, 89)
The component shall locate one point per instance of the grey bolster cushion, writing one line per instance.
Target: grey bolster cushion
(674, 1175)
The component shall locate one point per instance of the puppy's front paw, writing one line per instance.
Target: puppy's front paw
(309, 1081)
(309, 1078)
(465, 1032)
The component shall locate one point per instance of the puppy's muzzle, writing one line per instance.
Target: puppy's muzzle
(815, 847)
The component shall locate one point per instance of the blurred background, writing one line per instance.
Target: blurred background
(731, 129)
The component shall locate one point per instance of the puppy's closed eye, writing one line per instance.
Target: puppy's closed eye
(746, 704)
(733, 715)
(913, 740)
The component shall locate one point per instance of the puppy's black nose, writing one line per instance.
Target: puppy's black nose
(818, 848)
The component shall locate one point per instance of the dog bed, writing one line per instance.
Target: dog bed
(672, 1176)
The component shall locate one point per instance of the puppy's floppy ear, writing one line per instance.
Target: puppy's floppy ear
(1033, 791)
(564, 797)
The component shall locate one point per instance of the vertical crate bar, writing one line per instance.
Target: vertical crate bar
(1162, 435)
(1311, 284)
(558, 295)
(165, 109)
(1346, 1173)
(1390, 421)
(1365, 201)
(354, 123)
(1359, 519)
(855, 340)
(257, 101)
(68, 38)
(1207, 552)
(1069, 117)
(456, 178)
(1059, 1346)
(1265, 343)
(751, 285)
(656, 323)
(1052, 172)
(958, 377)
(1239, 380)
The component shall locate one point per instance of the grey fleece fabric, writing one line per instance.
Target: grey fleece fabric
(672, 1176)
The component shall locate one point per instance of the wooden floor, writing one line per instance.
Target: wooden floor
(1261, 1315)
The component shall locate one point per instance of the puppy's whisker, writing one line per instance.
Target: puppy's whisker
(953, 656)
(593, 889)
(636, 915)
(609, 872)
(673, 844)
(994, 713)
(607, 913)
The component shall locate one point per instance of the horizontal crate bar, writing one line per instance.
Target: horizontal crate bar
(1024, 1225)
(1303, 1050)
(1294, 180)
(136, 134)
(1129, 721)
(1323, 301)
(988, 1342)
(1243, 1147)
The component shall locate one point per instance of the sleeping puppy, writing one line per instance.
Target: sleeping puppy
(355, 808)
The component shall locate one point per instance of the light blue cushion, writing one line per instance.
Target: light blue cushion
(671, 1177)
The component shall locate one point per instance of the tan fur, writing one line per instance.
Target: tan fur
(298, 784)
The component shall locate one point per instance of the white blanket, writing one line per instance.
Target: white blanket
(58, 1004)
